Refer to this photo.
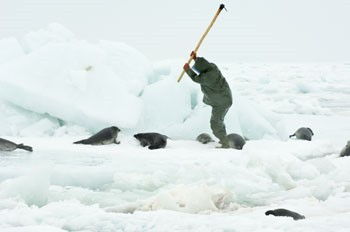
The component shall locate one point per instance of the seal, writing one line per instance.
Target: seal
(303, 133)
(152, 140)
(346, 150)
(204, 138)
(6, 145)
(285, 213)
(106, 136)
(236, 141)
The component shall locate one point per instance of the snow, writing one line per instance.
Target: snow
(63, 81)
(54, 32)
(303, 88)
(53, 97)
(181, 188)
(69, 80)
(10, 49)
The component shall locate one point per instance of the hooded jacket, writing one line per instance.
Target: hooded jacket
(213, 85)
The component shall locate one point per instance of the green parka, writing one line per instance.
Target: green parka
(214, 86)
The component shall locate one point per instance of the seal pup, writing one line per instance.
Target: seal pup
(346, 150)
(6, 145)
(285, 213)
(106, 136)
(304, 133)
(236, 141)
(204, 138)
(152, 140)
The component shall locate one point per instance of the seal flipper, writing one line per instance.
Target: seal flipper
(160, 144)
(153, 147)
(290, 136)
(24, 147)
(84, 141)
(144, 143)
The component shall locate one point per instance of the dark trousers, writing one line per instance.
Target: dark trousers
(217, 122)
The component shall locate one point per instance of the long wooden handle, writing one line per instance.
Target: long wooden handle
(222, 6)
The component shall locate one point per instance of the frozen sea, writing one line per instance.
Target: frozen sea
(187, 186)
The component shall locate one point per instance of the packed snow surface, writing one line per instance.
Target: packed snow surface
(56, 89)
(185, 187)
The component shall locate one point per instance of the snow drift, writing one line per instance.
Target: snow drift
(77, 82)
(66, 81)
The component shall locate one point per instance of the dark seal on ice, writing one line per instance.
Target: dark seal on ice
(204, 138)
(6, 145)
(285, 213)
(303, 133)
(346, 150)
(106, 136)
(152, 140)
(236, 141)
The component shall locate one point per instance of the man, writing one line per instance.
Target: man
(217, 94)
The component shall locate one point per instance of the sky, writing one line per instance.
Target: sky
(250, 31)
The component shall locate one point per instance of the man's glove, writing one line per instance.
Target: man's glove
(194, 55)
(186, 67)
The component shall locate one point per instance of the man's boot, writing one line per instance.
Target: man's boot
(224, 143)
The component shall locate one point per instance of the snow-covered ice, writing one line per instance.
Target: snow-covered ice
(185, 187)
(56, 89)
(68, 79)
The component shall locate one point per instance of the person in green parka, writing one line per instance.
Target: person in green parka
(217, 94)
